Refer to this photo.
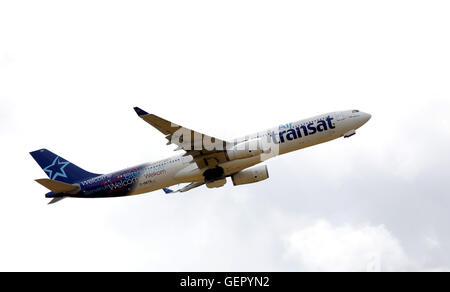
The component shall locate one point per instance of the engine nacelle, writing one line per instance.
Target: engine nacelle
(247, 149)
(250, 175)
(217, 183)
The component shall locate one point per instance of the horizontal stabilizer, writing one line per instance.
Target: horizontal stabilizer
(56, 200)
(58, 187)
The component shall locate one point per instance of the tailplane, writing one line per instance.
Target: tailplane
(58, 187)
(59, 169)
(56, 200)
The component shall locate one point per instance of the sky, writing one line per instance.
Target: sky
(71, 73)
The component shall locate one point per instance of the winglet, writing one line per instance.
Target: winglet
(140, 111)
(167, 191)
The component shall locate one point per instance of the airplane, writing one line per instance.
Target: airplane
(206, 161)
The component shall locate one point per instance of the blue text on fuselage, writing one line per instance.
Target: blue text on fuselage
(303, 130)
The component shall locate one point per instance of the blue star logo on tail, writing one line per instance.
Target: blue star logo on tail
(56, 169)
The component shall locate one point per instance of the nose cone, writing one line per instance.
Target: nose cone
(366, 117)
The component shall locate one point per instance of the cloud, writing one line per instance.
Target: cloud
(432, 242)
(438, 269)
(324, 247)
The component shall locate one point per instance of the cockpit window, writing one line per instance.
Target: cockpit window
(355, 111)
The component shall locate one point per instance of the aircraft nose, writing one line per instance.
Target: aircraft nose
(366, 117)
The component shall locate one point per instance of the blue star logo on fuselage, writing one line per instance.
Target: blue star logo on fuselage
(56, 169)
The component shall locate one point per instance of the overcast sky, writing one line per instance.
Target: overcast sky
(71, 73)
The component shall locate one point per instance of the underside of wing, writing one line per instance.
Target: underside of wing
(207, 151)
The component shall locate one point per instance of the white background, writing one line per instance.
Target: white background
(70, 73)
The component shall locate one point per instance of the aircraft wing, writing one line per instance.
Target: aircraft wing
(189, 187)
(207, 151)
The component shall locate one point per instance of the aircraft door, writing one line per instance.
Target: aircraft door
(340, 117)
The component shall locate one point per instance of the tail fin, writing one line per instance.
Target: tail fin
(57, 168)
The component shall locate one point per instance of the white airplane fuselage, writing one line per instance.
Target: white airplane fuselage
(185, 168)
(181, 169)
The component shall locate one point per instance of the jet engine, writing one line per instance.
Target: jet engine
(217, 183)
(247, 149)
(250, 175)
